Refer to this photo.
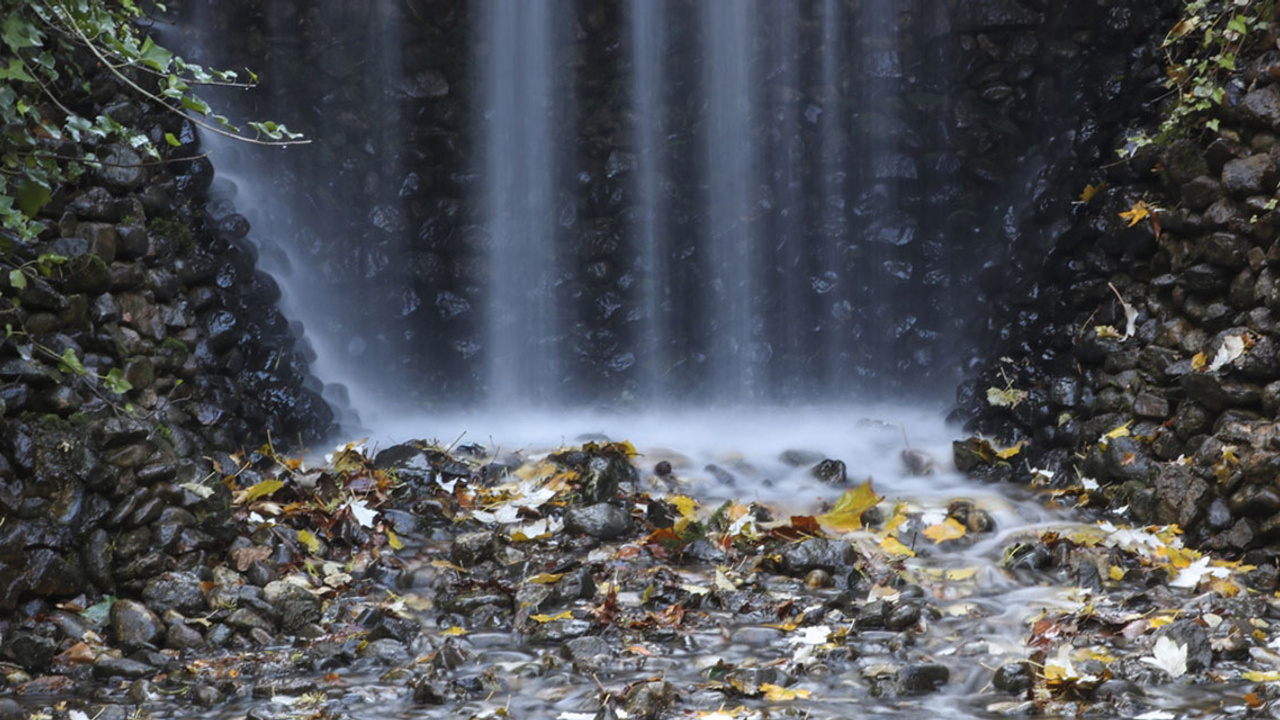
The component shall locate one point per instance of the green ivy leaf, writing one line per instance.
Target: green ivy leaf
(115, 382)
(18, 33)
(31, 197)
(15, 71)
(171, 139)
(17, 280)
(70, 363)
(154, 56)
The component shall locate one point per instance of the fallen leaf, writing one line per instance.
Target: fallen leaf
(949, 529)
(309, 541)
(1136, 213)
(1091, 191)
(777, 693)
(1199, 361)
(544, 578)
(455, 630)
(566, 615)
(847, 513)
(261, 490)
(394, 541)
(1232, 347)
(1169, 656)
(1006, 453)
(895, 548)
(1260, 676)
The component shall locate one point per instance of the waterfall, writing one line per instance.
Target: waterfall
(649, 78)
(518, 142)
(737, 349)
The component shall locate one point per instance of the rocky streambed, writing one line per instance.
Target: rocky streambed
(601, 580)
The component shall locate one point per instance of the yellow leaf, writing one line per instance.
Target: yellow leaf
(1122, 431)
(1224, 587)
(950, 529)
(898, 518)
(545, 578)
(847, 514)
(895, 548)
(446, 565)
(1137, 213)
(394, 541)
(261, 490)
(455, 630)
(1091, 191)
(1159, 621)
(1199, 361)
(1106, 331)
(309, 541)
(1116, 572)
(1009, 452)
(961, 574)
(566, 615)
(1259, 676)
(777, 693)
(687, 506)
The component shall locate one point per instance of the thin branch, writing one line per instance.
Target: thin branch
(159, 100)
(103, 163)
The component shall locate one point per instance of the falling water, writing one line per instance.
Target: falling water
(523, 360)
(647, 18)
(736, 348)
(834, 309)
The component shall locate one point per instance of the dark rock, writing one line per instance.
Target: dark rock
(918, 679)
(1262, 107)
(134, 625)
(122, 169)
(1250, 175)
(1014, 678)
(903, 617)
(30, 650)
(832, 472)
(295, 605)
(602, 521)
(471, 549)
(650, 700)
(52, 573)
(1195, 638)
(834, 556)
(585, 648)
(108, 666)
(1217, 393)
(179, 591)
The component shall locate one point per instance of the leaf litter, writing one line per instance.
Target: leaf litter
(768, 595)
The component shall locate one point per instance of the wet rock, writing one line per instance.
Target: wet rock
(179, 591)
(428, 692)
(585, 648)
(122, 169)
(53, 573)
(1262, 107)
(107, 666)
(800, 458)
(832, 472)
(1195, 638)
(134, 625)
(903, 617)
(602, 521)
(559, 631)
(295, 605)
(923, 678)
(11, 710)
(180, 635)
(1218, 393)
(30, 650)
(246, 620)
(1249, 176)
(471, 549)
(833, 556)
(604, 476)
(1013, 678)
(648, 701)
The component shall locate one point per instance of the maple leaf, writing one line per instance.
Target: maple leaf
(777, 693)
(1136, 214)
(846, 516)
(1169, 656)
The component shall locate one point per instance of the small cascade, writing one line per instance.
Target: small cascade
(524, 359)
(834, 307)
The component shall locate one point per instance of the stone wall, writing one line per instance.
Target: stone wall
(1191, 395)
(101, 490)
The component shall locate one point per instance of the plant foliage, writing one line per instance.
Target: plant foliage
(50, 53)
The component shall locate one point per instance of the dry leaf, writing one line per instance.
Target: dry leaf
(545, 578)
(566, 615)
(309, 541)
(1169, 656)
(949, 529)
(895, 548)
(1091, 191)
(1137, 213)
(777, 693)
(846, 516)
